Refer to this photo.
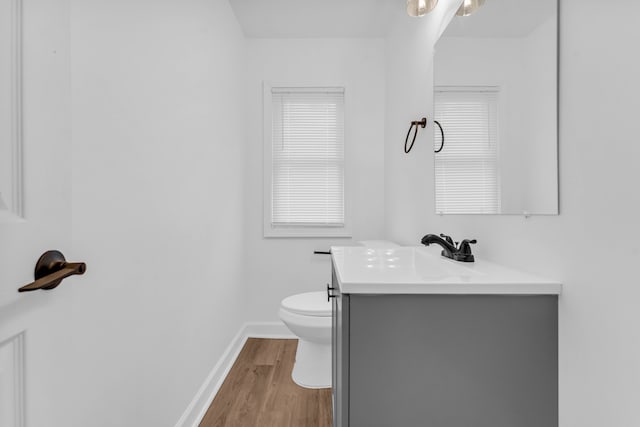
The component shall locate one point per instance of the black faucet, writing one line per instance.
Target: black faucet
(450, 249)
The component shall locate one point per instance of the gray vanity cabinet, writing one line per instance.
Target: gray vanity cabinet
(444, 360)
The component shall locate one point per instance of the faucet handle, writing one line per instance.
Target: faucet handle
(448, 239)
(464, 251)
(464, 245)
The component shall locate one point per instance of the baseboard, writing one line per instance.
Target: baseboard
(196, 410)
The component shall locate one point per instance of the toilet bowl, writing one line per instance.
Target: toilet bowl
(308, 316)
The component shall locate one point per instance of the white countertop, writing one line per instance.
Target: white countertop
(421, 270)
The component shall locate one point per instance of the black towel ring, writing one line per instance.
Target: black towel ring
(423, 124)
(442, 140)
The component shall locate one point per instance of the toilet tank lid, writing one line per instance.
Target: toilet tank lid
(308, 304)
(378, 244)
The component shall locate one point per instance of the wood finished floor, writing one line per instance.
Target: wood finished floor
(259, 391)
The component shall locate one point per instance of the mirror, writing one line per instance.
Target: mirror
(495, 96)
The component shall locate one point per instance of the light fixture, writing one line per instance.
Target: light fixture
(420, 7)
(469, 6)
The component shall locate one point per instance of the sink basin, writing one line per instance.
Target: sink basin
(419, 270)
(406, 264)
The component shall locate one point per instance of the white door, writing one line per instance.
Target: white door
(35, 211)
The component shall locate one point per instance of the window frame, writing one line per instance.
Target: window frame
(301, 231)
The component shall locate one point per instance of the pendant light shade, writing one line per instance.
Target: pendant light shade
(420, 7)
(469, 6)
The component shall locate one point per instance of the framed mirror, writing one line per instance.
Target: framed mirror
(496, 100)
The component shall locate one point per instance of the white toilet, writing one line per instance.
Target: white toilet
(308, 316)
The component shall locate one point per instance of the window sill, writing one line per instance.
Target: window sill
(302, 232)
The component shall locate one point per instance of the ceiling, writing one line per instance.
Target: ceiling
(315, 18)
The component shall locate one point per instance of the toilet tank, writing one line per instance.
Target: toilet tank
(378, 244)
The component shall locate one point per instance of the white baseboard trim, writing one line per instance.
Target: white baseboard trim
(203, 398)
(196, 410)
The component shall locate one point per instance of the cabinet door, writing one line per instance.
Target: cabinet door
(453, 360)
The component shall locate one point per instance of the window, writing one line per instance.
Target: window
(304, 162)
(466, 170)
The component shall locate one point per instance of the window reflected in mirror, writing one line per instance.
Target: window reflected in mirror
(466, 173)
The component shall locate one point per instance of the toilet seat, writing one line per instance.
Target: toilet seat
(313, 304)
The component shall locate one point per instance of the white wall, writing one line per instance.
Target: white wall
(409, 81)
(279, 267)
(593, 245)
(158, 153)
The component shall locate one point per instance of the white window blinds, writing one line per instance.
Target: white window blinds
(466, 170)
(307, 157)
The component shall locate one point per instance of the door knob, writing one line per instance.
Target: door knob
(50, 269)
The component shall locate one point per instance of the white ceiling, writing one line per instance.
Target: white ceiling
(503, 18)
(315, 18)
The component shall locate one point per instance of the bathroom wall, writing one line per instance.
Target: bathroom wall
(409, 82)
(279, 267)
(592, 246)
(158, 151)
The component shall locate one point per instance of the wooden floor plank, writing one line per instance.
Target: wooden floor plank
(266, 351)
(282, 394)
(259, 391)
(247, 405)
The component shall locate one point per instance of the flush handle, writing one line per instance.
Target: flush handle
(329, 294)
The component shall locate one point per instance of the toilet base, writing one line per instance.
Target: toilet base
(312, 368)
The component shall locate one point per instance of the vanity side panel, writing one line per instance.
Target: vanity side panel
(340, 355)
(453, 360)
